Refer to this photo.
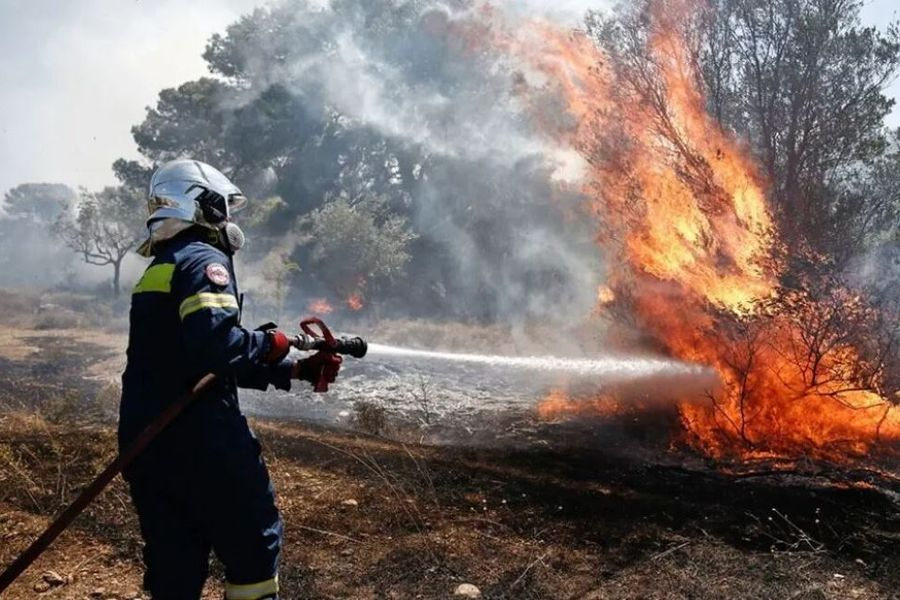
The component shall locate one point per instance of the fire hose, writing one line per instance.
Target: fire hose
(321, 341)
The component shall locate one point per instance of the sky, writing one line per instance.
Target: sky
(77, 75)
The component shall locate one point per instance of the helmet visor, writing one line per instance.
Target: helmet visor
(236, 203)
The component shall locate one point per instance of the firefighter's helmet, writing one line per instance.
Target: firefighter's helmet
(188, 192)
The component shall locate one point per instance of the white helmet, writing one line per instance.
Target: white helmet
(188, 192)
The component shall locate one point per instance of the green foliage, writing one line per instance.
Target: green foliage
(358, 245)
(279, 271)
(189, 119)
(132, 174)
(261, 212)
(261, 120)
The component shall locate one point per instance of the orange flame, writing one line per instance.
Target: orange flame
(320, 306)
(605, 295)
(559, 405)
(355, 301)
(687, 223)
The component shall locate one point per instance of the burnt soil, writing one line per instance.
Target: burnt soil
(564, 516)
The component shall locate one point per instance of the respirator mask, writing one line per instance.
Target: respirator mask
(216, 211)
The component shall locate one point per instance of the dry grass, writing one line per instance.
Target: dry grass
(14, 346)
(369, 518)
(59, 311)
(423, 520)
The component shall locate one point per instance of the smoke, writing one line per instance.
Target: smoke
(493, 194)
(565, 12)
(877, 273)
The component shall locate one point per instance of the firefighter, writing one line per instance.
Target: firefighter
(202, 485)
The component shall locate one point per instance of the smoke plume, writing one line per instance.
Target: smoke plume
(490, 191)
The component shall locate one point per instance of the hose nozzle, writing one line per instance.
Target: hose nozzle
(350, 346)
(323, 340)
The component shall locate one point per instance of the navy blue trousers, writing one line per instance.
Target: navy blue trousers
(202, 486)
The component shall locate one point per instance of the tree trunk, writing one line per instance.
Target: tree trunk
(117, 269)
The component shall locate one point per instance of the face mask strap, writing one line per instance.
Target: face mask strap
(213, 206)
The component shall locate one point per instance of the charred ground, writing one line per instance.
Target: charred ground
(566, 515)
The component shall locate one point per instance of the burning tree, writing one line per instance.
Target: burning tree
(803, 82)
(808, 368)
(696, 229)
(105, 227)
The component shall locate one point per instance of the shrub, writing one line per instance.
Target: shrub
(369, 417)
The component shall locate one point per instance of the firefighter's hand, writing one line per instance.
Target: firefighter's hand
(319, 368)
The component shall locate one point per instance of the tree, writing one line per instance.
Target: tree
(190, 118)
(104, 227)
(804, 83)
(132, 174)
(278, 271)
(37, 202)
(813, 358)
(357, 245)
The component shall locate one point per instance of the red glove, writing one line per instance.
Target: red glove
(279, 347)
(320, 369)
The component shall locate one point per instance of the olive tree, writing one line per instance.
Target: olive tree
(103, 228)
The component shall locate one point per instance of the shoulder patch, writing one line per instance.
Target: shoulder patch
(218, 274)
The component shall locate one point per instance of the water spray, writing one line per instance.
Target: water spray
(617, 367)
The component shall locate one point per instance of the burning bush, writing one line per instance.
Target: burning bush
(810, 369)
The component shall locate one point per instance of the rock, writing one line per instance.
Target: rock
(98, 593)
(42, 586)
(467, 590)
(350, 502)
(54, 578)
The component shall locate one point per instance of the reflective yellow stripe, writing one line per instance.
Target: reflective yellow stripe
(252, 591)
(157, 278)
(206, 300)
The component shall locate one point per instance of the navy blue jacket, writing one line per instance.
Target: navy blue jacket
(185, 323)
